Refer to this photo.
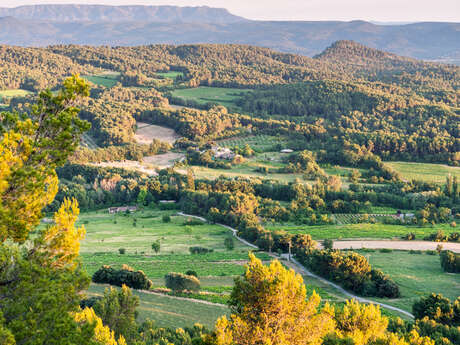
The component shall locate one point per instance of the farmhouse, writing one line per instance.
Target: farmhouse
(223, 153)
(122, 209)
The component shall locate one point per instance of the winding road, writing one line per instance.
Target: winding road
(302, 270)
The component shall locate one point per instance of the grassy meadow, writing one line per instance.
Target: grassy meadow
(416, 274)
(106, 79)
(13, 93)
(169, 74)
(436, 173)
(205, 94)
(169, 312)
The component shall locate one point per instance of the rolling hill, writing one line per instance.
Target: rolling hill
(143, 25)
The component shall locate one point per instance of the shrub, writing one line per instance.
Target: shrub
(412, 251)
(122, 250)
(191, 273)
(166, 218)
(328, 244)
(179, 282)
(450, 261)
(437, 237)
(386, 250)
(409, 237)
(454, 237)
(156, 246)
(351, 270)
(436, 307)
(126, 275)
(229, 243)
(193, 222)
(200, 250)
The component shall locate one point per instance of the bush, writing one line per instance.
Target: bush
(166, 218)
(386, 250)
(409, 237)
(431, 252)
(436, 307)
(122, 250)
(455, 236)
(328, 244)
(191, 273)
(156, 246)
(193, 222)
(351, 270)
(450, 261)
(229, 243)
(200, 250)
(437, 237)
(412, 251)
(126, 275)
(179, 282)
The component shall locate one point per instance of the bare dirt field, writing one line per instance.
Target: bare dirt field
(146, 133)
(401, 245)
(164, 160)
(130, 165)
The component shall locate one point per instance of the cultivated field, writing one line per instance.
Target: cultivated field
(145, 167)
(416, 274)
(167, 311)
(362, 231)
(145, 133)
(204, 94)
(425, 172)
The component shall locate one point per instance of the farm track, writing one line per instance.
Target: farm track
(396, 245)
(302, 270)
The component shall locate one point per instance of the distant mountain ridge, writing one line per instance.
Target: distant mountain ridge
(143, 25)
(103, 13)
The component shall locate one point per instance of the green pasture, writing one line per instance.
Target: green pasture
(106, 79)
(88, 141)
(260, 142)
(361, 231)
(13, 93)
(169, 75)
(136, 232)
(426, 172)
(416, 274)
(167, 311)
(205, 94)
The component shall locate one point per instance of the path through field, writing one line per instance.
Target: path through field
(302, 270)
(398, 245)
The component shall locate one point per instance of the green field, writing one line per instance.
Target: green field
(259, 142)
(108, 232)
(88, 141)
(106, 79)
(205, 94)
(244, 170)
(170, 312)
(361, 231)
(13, 93)
(424, 171)
(416, 274)
(169, 75)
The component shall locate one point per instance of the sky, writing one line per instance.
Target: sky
(371, 10)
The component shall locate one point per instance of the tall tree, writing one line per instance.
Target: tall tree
(269, 306)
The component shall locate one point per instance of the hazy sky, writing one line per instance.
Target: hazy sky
(377, 10)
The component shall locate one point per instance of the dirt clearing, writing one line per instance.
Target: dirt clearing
(146, 133)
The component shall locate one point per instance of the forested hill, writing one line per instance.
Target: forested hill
(133, 25)
(231, 66)
(101, 13)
